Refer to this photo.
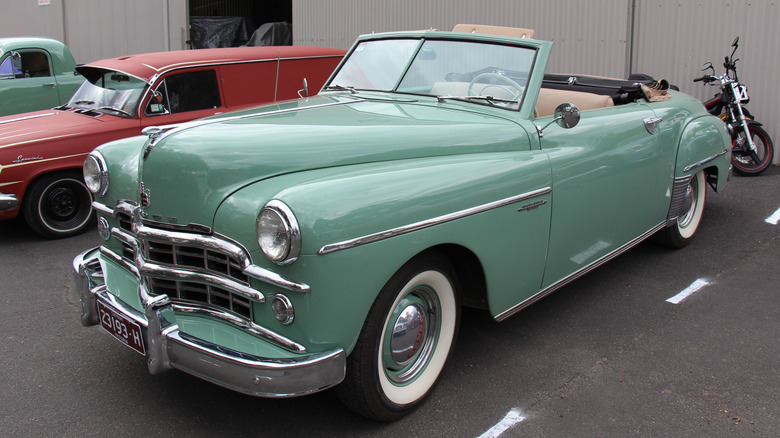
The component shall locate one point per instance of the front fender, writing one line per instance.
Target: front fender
(454, 200)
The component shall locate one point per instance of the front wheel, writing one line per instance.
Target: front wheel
(682, 230)
(747, 162)
(405, 342)
(58, 205)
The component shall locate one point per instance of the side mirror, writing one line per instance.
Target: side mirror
(735, 43)
(566, 115)
(304, 92)
(708, 66)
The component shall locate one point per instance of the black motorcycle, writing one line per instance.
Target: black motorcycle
(752, 149)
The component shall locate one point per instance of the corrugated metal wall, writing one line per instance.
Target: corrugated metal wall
(96, 29)
(663, 38)
(674, 38)
(598, 49)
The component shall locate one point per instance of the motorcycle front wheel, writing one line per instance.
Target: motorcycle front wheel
(747, 162)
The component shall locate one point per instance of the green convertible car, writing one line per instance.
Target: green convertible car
(331, 241)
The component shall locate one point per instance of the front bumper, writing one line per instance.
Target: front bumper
(8, 202)
(168, 347)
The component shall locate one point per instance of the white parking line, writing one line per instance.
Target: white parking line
(690, 290)
(513, 417)
(774, 219)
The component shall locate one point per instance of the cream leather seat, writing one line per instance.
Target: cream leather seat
(550, 98)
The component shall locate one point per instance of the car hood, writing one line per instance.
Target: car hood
(191, 170)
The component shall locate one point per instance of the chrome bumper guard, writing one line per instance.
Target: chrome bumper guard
(8, 202)
(168, 347)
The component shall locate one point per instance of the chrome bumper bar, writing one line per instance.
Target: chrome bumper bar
(168, 347)
(8, 202)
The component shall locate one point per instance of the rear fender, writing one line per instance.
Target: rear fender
(705, 144)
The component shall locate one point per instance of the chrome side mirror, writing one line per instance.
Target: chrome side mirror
(566, 115)
(304, 92)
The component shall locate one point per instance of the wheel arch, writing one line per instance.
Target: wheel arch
(470, 274)
(76, 172)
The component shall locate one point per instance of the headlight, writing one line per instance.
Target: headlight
(278, 234)
(96, 174)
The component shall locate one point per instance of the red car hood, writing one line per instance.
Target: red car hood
(30, 134)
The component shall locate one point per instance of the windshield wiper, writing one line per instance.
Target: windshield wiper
(111, 108)
(85, 102)
(341, 88)
(489, 99)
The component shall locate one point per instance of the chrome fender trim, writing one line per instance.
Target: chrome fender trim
(382, 235)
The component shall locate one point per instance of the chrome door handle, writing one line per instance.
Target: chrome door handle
(651, 122)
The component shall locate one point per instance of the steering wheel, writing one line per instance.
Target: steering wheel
(499, 77)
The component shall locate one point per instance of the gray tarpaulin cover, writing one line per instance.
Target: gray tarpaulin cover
(213, 32)
(272, 34)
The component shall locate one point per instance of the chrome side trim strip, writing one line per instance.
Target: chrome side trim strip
(564, 281)
(705, 161)
(382, 235)
(18, 119)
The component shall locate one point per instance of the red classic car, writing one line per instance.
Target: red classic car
(42, 153)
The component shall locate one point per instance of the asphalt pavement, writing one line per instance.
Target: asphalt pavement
(611, 355)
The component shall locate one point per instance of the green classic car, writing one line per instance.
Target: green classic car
(331, 241)
(35, 74)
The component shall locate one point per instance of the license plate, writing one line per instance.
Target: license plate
(124, 329)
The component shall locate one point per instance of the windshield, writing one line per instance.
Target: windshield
(485, 73)
(113, 92)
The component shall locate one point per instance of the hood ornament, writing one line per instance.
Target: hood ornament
(146, 197)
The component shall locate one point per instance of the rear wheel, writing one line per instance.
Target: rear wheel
(58, 205)
(681, 232)
(405, 342)
(747, 162)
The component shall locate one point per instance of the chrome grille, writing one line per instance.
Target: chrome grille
(201, 260)
(201, 293)
(195, 258)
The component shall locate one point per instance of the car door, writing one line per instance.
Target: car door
(183, 96)
(605, 177)
(30, 84)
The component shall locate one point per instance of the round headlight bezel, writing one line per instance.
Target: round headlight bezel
(278, 233)
(95, 172)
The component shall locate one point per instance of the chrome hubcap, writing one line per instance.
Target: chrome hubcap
(408, 334)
